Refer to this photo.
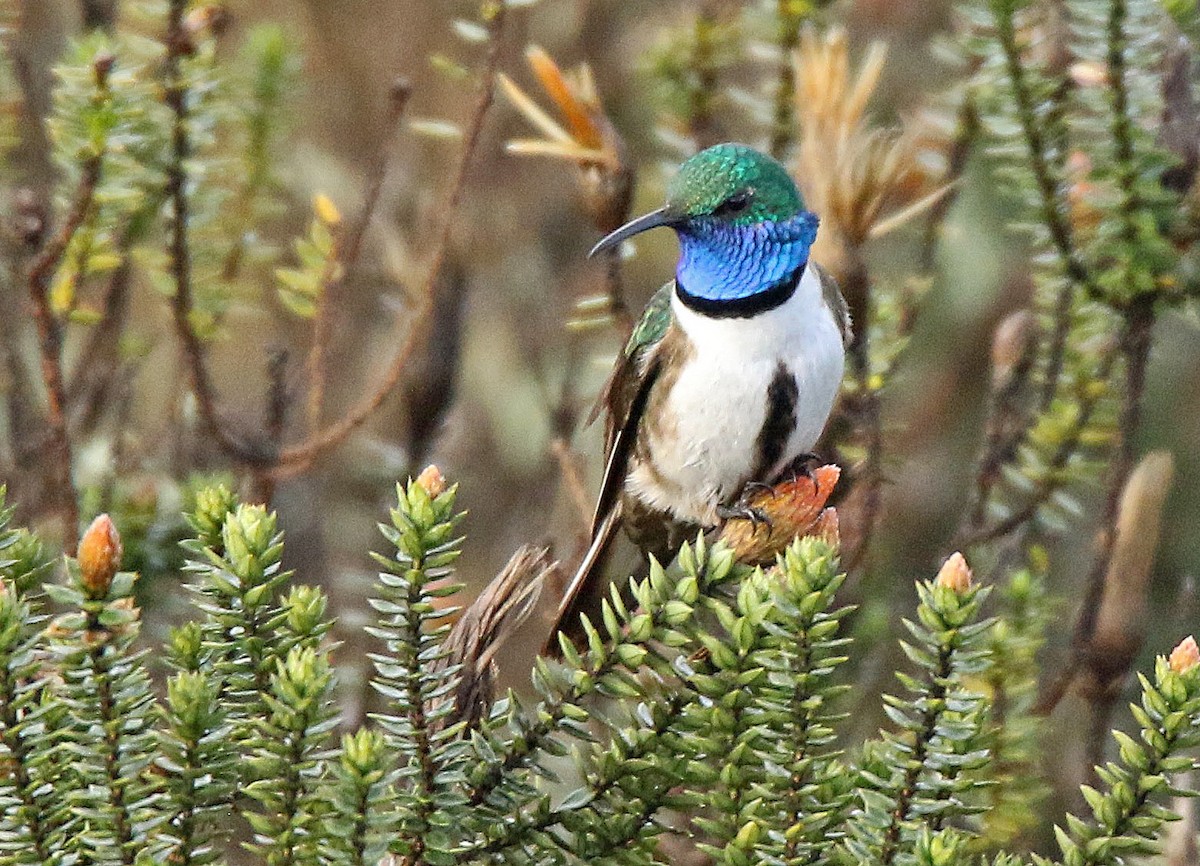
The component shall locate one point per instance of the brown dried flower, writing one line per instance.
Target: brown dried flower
(587, 139)
(864, 180)
(955, 574)
(486, 625)
(1185, 656)
(99, 556)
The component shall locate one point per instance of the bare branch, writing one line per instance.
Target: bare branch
(200, 380)
(41, 272)
(346, 252)
(299, 457)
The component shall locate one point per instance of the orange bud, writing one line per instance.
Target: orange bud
(99, 556)
(1185, 656)
(432, 481)
(955, 574)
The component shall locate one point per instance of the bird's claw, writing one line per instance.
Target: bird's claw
(743, 511)
(802, 466)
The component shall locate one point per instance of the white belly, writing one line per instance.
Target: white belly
(708, 449)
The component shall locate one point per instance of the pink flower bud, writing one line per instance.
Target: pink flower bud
(432, 481)
(955, 574)
(1185, 656)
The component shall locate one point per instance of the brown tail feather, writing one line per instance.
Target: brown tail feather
(582, 593)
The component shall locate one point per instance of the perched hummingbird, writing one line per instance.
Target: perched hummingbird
(731, 373)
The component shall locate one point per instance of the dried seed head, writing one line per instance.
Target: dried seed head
(1089, 73)
(432, 481)
(955, 574)
(99, 556)
(213, 18)
(863, 179)
(29, 216)
(1185, 656)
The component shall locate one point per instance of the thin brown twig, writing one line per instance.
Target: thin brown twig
(300, 456)
(120, 440)
(702, 123)
(1057, 351)
(783, 120)
(346, 251)
(275, 419)
(1008, 423)
(966, 132)
(91, 377)
(99, 14)
(199, 377)
(50, 340)
(1135, 347)
(1048, 184)
(614, 289)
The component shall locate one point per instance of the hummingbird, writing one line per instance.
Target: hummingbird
(731, 373)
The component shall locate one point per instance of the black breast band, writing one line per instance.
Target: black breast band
(742, 308)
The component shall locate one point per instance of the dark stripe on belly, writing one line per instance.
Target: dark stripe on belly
(779, 422)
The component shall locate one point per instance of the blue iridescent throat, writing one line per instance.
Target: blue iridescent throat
(721, 264)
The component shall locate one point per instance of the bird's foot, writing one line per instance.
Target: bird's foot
(801, 467)
(740, 510)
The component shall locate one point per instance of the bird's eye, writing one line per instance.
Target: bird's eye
(733, 205)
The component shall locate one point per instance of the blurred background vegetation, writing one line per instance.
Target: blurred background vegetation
(500, 379)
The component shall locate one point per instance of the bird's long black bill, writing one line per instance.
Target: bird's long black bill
(654, 219)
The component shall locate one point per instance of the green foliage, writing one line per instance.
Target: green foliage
(33, 825)
(1015, 732)
(703, 704)
(928, 770)
(237, 590)
(1125, 821)
(1107, 208)
(108, 737)
(300, 288)
(195, 758)
(707, 691)
(286, 759)
(414, 674)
